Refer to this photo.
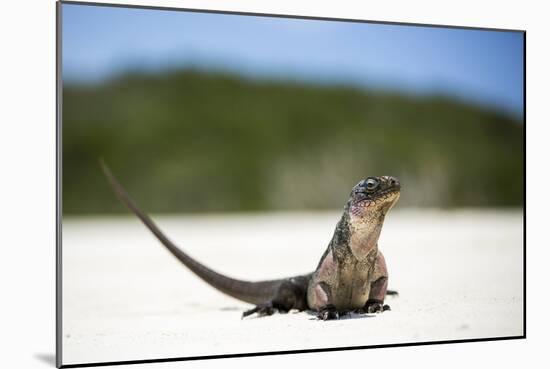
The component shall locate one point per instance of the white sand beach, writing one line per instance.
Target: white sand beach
(459, 275)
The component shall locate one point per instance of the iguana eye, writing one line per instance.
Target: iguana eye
(371, 184)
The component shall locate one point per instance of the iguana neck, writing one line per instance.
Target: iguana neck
(358, 234)
(364, 236)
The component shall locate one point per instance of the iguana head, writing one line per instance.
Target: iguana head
(373, 197)
(359, 228)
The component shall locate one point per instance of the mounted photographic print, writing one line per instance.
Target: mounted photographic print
(235, 184)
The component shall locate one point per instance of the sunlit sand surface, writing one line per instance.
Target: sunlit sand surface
(459, 275)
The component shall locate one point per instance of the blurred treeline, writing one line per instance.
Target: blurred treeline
(188, 141)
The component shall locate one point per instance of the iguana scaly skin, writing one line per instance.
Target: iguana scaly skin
(351, 275)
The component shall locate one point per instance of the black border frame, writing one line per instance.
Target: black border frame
(59, 212)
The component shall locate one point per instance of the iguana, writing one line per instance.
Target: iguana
(351, 275)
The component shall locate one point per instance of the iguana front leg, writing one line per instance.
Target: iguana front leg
(375, 303)
(378, 288)
(319, 294)
(322, 302)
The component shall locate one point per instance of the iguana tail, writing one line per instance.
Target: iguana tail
(252, 292)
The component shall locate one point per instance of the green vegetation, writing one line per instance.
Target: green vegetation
(185, 141)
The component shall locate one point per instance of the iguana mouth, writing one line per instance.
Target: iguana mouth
(387, 192)
(380, 197)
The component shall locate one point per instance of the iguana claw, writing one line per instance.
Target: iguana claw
(328, 312)
(264, 309)
(372, 307)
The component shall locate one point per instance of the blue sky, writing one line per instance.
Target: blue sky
(482, 67)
